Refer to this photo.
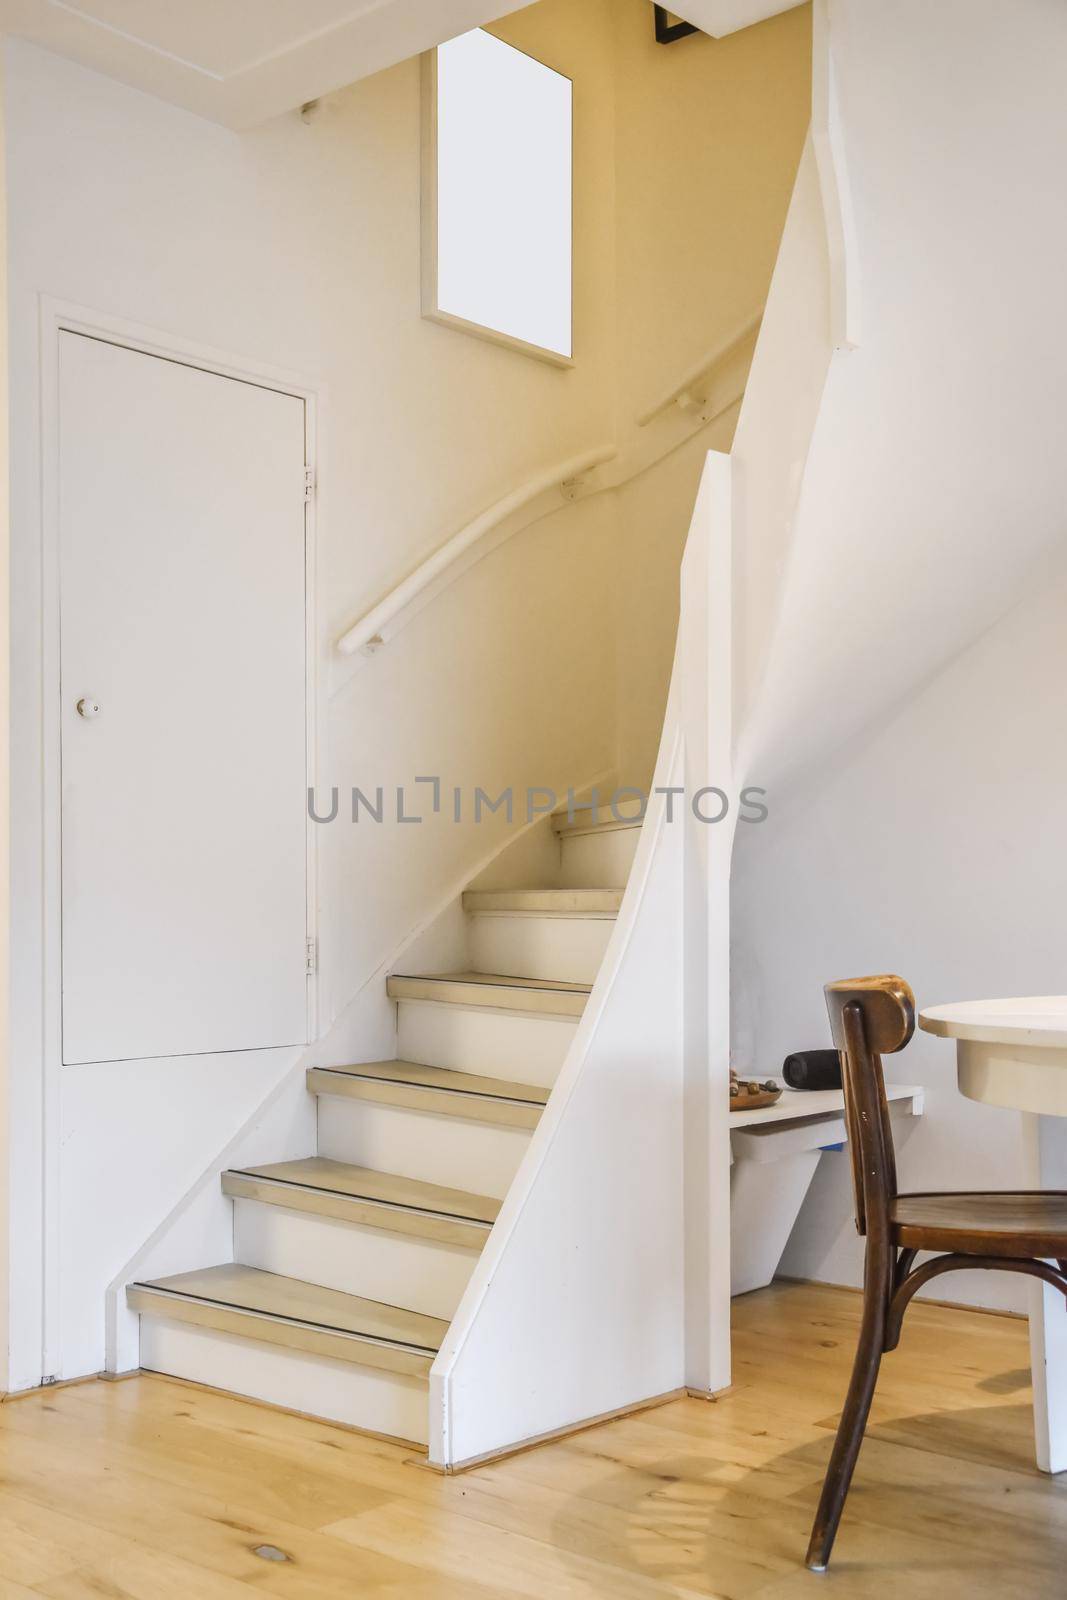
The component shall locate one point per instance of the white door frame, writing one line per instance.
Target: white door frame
(55, 318)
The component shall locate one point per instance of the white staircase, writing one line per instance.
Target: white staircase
(349, 1264)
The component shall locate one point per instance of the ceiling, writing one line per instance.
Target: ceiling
(239, 62)
(719, 17)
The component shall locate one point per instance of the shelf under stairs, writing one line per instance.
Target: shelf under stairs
(350, 1263)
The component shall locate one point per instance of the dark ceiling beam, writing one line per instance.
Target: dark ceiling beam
(667, 32)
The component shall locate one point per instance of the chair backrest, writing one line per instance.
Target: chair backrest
(869, 1018)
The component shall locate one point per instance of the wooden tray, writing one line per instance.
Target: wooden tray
(754, 1102)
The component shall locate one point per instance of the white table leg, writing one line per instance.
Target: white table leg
(1045, 1144)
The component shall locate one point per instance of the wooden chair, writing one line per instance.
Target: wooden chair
(1010, 1232)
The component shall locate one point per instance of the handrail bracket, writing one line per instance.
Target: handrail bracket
(571, 488)
(689, 402)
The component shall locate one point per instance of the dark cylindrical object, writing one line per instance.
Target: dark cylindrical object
(813, 1069)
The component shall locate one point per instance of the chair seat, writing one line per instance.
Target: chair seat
(1020, 1223)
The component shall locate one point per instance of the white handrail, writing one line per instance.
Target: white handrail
(370, 627)
(460, 552)
(682, 395)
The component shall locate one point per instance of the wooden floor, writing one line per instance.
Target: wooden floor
(157, 1490)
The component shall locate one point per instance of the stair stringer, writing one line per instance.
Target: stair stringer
(773, 441)
(199, 1226)
(605, 1281)
(811, 324)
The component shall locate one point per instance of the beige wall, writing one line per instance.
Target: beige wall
(708, 137)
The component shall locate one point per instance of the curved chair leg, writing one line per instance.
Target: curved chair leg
(905, 1262)
(851, 1427)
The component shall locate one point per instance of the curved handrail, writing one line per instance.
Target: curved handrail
(682, 395)
(447, 562)
(839, 219)
(369, 630)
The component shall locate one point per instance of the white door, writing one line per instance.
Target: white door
(184, 835)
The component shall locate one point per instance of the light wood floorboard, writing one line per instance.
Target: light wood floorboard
(152, 1489)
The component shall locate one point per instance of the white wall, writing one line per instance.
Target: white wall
(936, 477)
(298, 246)
(934, 848)
(5, 816)
(901, 741)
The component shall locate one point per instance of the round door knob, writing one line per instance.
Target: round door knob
(88, 707)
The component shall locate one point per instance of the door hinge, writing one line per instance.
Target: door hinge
(309, 483)
(311, 956)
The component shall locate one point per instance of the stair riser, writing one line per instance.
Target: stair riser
(418, 1144)
(545, 902)
(494, 1044)
(418, 1274)
(598, 860)
(339, 1391)
(564, 949)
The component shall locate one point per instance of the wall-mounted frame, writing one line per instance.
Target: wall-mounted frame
(497, 196)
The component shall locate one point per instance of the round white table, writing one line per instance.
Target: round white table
(1013, 1053)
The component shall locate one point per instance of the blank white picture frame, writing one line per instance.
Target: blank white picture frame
(498, 195)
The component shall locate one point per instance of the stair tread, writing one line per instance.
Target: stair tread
(364, 1183)
(492, 991)
(460, 1083)
(549, 902)
(267, 1294)
(496, 980)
